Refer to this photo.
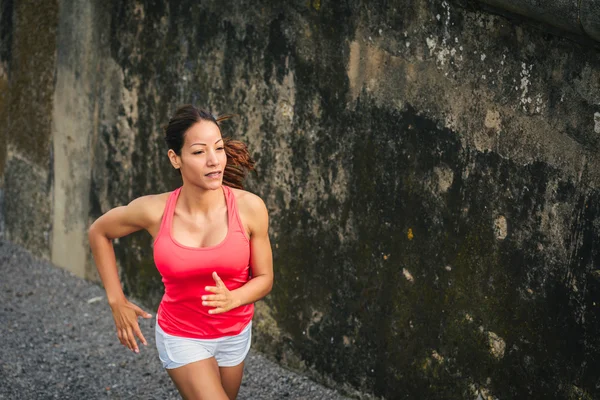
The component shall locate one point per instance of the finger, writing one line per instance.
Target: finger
(213, 297)
(141, 313)
(124, 339)
(140, 336)
(131, 338)
(120, 336)
(217, 310)
(217, 279)
(212, 303)
(213, 289)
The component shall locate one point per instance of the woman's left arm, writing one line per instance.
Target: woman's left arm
(261, 263)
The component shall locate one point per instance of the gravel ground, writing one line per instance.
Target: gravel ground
(58, 342)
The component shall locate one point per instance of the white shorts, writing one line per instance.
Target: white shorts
(229, 351)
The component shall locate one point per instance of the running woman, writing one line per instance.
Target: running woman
(212, 249)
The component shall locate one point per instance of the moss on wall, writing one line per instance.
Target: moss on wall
(6, 32)
(32, 69)
(29, 45)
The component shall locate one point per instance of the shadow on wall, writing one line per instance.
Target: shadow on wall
(580, 17)
(434, 279)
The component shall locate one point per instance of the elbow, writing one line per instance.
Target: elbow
(91, 233)
(94, 232)
(269, 286)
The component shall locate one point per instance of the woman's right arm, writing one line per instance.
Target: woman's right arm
(140, 214)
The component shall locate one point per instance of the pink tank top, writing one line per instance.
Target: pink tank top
(186, 271)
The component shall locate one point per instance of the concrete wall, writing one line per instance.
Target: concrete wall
(27, 82)
(431, 171)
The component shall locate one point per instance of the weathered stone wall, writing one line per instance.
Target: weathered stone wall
(27, 61)
(84, 78)
(431, 171)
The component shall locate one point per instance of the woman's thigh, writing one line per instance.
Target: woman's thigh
(199, 380)
(231, 379)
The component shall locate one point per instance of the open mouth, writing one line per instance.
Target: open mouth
(215, 174)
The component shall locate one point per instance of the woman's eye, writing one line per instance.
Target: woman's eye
(198, 152)
(220, 148)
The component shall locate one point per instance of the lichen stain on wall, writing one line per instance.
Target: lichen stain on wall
(3, 111)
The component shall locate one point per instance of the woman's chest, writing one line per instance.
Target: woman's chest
(230, 259)
(200, 232)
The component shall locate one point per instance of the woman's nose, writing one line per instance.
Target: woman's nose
(212, 158)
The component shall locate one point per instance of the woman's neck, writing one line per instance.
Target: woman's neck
(196, 200)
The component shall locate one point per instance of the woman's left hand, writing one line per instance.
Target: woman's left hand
(223, 299)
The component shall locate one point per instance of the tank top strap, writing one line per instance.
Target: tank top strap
(235, 221)
(167, 219)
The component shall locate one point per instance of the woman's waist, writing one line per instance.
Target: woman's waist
(195, 308)
(193, 320)
(195, 287)
(245, 326)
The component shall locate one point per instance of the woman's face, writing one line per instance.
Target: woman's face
(203, 159)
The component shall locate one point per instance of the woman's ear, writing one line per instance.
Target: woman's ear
(174, 158)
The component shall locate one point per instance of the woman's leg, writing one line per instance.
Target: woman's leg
(231, 379)
(199, 380)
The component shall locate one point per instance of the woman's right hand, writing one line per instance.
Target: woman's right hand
(126, 314)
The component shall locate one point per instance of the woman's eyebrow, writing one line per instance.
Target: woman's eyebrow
(204, 144)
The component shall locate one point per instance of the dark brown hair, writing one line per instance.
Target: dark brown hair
(239, 162)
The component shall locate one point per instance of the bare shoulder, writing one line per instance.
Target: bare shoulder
(144, 212)
(150, 202)
(253, 212)
(149, 207)
(249, 202)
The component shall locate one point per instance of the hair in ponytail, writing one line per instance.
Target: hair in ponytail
(239, 162)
